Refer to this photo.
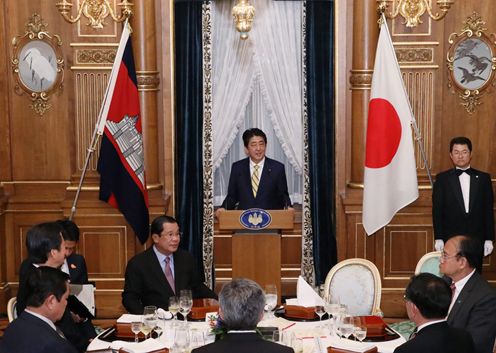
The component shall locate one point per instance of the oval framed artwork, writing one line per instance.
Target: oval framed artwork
(37, 64)
(471, 62)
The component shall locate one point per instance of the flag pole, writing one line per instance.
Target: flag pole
(102, 116)
(413, 123)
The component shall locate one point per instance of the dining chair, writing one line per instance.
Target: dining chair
(11, 309)
(355, 283)
(429, 263)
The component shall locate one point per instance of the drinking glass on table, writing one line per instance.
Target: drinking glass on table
(185, 303)
(181, 339)
(320, 311)
(346, 326)
(360, 332)
(174, 307)
(333, 310)
(136, 328)
(150, 317)
(270, 298)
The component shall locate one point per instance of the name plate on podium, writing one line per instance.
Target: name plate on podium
(256, 219)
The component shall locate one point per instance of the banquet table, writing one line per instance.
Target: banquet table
(309, 334)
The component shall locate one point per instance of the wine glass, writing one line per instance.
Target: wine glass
(150, 317)
(145, 329)
(333, 310)
(320, 311)
(136, 328)
(174, 307)
(270, 297)
(360, 332)
(346, 327)
(185, 303)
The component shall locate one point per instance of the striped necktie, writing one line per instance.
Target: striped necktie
(255, 180)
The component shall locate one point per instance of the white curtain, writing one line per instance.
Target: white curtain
(258, 83)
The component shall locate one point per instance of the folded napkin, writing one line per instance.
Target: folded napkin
(128, 318)
(349, 345)
(150, 345)
(306, 295)
(162, 314)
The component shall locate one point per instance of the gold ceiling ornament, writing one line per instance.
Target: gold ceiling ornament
(243, 13)
(412, 10)
(96, 11)
(471, 62)
(37, 64)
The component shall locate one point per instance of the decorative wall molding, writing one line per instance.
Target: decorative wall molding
(414, 55)
(95, 56)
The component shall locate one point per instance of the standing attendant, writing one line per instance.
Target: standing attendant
(462, 200)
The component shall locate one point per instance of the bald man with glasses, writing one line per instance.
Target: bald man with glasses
(161, 271)
(473, 306)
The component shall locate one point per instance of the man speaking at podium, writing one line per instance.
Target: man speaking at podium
(256, 181)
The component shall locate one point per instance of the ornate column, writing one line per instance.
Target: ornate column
(145, 51)
(365, 35)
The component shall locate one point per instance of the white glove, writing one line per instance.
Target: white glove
(488, 247)
(439, 245)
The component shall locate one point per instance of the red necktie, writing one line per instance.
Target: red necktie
(168, 274)
(453, 289)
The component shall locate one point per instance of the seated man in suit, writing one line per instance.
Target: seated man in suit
(34, 330)
(427, 299)
(45, 244)
(74, 264)
(161, 271)
(256, 181)
(473, 307)
(242, 304)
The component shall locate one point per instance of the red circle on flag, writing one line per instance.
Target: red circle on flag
(383, 133)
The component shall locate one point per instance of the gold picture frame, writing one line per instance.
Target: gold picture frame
(471, 61)
(37, 64)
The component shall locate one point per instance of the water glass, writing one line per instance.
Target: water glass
(181, 340)
(185, 303)
(360, 332)
(149, 318)
(270, 297)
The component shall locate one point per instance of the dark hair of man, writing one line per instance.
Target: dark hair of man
(242, 303)
(158, 224)
(43, 282)
(430, 294)
(41, 239)
(248, 134)
(71, 230)
(471, 249)
(461, 140)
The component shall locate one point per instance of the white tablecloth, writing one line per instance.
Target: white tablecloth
(305, 331)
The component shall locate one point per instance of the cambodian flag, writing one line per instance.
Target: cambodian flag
(121, 162)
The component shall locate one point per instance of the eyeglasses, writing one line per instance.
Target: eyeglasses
(445, 256)
(173, 235)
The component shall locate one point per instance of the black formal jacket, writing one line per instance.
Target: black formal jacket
(438, 338)
(243, 343)
(145, 282)
(30, 334)
(78, 334)
(77, 269)
(448, 210)
(475, 311)
(272, 191)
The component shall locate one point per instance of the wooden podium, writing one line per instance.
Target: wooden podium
(256, 253)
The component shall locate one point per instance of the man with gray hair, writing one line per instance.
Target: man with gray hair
(242, 304)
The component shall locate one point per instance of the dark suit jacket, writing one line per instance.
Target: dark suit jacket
(243, 343)
(78, 334)
(448, 210)
(272, 191)
(77, 269)
(475, 311)
(145, 282)
(29, 334)
(439, 338)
